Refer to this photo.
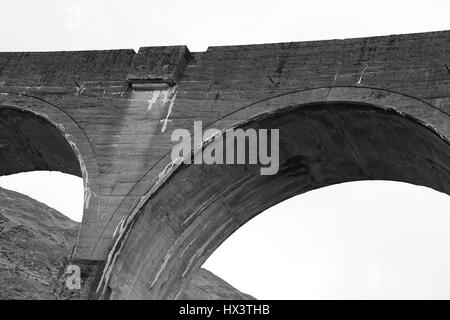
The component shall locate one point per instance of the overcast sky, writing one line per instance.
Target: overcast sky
(105, 24)
(358, 240)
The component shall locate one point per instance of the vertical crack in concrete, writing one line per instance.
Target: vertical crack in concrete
(169, 113)
(153, 99)
(362, 74)
(338, 69)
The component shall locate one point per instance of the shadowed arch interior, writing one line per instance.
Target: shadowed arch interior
(199, 206)
(29, 143)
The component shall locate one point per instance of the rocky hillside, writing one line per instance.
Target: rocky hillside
(207, 286)
(35, 241)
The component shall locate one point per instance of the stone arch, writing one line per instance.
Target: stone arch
(190, 210)
(45, 137)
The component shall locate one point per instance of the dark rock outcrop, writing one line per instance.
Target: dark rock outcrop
(36, 241)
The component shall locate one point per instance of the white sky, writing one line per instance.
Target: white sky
(355, 240)
(59, 191)
(105, 24)
(376, 240)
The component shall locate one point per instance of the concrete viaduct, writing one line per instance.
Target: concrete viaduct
(347, 110)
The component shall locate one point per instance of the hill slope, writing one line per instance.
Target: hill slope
(207, 286)
(35, 241)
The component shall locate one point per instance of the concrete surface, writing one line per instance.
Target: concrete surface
(370, 108)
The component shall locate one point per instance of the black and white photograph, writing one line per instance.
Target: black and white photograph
(230, 155)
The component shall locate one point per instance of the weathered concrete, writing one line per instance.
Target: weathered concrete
(373, 108)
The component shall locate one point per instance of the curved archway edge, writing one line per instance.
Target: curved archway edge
(70, 131)
(421, 111)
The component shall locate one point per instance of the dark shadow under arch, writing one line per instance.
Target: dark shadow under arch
(321, 144)
(29, 142)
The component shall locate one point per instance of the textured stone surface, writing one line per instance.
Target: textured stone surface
(207, 286)
(199, 206)
(28, 143)
(121, 137)
(35, 242)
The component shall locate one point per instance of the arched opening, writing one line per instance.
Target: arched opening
(29, 142)
(356, 240)
(321, 144)
(41, 193)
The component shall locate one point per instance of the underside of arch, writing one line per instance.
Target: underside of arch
(321, 144)
(29, 143)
